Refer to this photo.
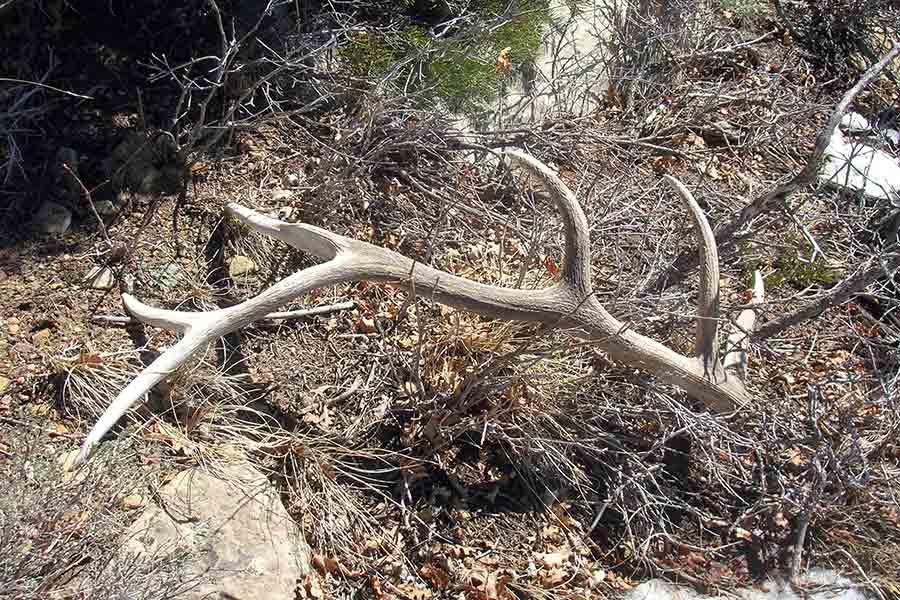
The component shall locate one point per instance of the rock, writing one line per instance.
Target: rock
(291, 180)
(282, 195)
(105, 208)
(4, 383)
(53, 218)
(240, 266)
(235, 535)
(101, 278)
(855, 122)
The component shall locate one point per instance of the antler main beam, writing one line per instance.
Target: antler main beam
(569, 305)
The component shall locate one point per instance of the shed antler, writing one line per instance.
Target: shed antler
(570, 304)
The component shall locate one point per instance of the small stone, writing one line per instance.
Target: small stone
(105, 208)
(282, 195)
(787, 378)
(53, 218)
(43, 334)
(13, 329)
(4, 383)
(241, 265)
(101, 278)
(892, 135)
(291, 180)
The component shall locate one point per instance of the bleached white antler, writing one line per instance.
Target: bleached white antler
(570, 304)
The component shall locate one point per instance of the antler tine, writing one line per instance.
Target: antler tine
(708, 297)
(315, 240)
(576, 270)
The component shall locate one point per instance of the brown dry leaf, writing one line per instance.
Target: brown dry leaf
(552, 533)
(377, 590)
(435, 575)
(688, 139)
(504, 65)
(663, 163)
(796, 457)
(88, 358)
(40, 410)
(366, 325)
(59, 429)
(551, 266)
(327, 564)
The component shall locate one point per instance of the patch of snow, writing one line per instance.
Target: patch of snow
(855, 122)
(860, 167)
(816, 585)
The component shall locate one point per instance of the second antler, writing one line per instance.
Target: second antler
(569, 305)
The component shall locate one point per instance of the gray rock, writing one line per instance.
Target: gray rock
(105, 208)
(240, 266)
(101, 278)
(234, 532)
(53, 218)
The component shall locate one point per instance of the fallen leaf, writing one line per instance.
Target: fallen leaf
(133, 502)
(327, 564)
(435, 575)
(504, 65)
